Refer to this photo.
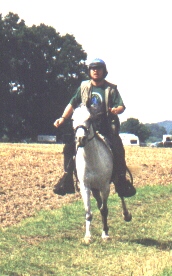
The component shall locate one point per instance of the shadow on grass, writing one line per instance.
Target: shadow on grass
(154, 243)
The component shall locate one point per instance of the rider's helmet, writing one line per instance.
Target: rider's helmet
(97, 62)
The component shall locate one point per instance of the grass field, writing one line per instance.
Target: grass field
(42, 233)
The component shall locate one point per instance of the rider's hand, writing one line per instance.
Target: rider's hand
(117, 110)
(114, 110)
(59, 122)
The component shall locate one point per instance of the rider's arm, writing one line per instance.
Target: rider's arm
(117, 106)
(66, 114)
(76, 99)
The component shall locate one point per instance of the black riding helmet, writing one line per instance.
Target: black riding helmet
(98, 63)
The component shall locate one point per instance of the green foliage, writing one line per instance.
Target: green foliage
(156, 131)
(167, 125)
(50, 243)
(166, 272)
(133, 126)
(43, 68)
(146, 132)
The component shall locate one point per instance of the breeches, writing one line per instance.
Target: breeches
(117, 149)
(69, 152)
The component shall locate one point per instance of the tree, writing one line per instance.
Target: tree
(156, 132)
(39, 72)
(133, 126)
(8, 27)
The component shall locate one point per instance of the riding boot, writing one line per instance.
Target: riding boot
(65, 184)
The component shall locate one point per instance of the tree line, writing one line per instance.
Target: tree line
(146, 132)
(39, 72)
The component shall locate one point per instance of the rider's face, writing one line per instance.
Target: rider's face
(97, 73)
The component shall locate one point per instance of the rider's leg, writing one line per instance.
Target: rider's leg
(69, 152)
(122, 185)
(66, 184)
(119, 156)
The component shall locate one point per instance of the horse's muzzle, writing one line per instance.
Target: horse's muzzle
(80, 141)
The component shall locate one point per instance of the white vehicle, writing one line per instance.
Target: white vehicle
(129, 139)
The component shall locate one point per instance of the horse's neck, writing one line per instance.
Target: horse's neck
(94, 143)
(91, 132)
(98, 139)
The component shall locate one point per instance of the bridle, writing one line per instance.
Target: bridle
(86, 129)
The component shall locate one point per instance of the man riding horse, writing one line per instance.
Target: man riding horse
(104, 101)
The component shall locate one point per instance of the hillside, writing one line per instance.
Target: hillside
(167, 125)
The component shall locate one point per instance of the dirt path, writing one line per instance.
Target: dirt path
(28, 173)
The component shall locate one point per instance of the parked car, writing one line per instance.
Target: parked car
(156, 144)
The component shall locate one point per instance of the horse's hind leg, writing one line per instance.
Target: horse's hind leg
(96, 194)
(102, 206)
(127, 215)
(104, 213)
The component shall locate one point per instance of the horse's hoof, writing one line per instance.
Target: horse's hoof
(106, 239)
(105, 236)
(87, 240)
(128, 217)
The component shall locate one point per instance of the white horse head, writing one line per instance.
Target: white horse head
(82, 124)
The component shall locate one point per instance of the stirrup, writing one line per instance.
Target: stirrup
(59, 187)
(65, 185)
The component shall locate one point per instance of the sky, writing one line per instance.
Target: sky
(133, 37)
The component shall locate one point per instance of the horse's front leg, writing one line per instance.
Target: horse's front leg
(85, 192)
(102, 206)
(104, 213)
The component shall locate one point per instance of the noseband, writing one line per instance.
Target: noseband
(86, 130)
(83, 127)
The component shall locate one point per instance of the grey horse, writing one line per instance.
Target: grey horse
(94, 166)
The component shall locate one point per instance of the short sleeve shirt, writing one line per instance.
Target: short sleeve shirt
(97, 99)
(97, 105)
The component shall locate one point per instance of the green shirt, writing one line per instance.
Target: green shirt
(97, 106)
(97, 99)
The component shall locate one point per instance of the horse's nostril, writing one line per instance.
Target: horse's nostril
(81, 141)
